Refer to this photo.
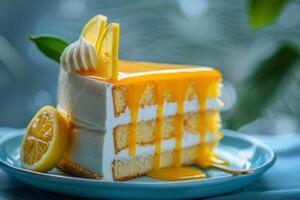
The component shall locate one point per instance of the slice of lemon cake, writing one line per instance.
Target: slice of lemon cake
(130, 118)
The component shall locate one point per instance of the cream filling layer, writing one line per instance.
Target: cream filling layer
(188, 140)
(170, 109)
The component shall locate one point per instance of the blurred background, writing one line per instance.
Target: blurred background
(254, 43)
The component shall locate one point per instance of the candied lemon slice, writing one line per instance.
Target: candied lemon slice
(108, 52)
(94, 29)
(45, 140)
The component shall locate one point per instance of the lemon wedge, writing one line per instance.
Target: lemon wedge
(94, 29)
(108, 52)
(45, 140)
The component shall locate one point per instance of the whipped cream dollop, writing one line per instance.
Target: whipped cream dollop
(79, 56)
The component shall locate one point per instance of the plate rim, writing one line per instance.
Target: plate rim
(229, 133)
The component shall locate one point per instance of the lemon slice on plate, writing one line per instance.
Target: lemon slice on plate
(94, 29)
(45, 140)
(108, 52)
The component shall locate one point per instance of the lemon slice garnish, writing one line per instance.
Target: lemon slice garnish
(45, 140)
(108, 52)
(94, 29)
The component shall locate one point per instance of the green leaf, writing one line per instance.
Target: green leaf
(264, 12)
(51, 46)
(258, 90)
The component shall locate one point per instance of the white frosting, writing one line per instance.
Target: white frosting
(89, 103)
(79, 56)
(85, 100)
(85, 149)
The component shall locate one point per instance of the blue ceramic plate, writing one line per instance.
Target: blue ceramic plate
(240, 150)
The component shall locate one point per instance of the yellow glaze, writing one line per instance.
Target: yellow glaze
(160, 107)
(177, 174)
